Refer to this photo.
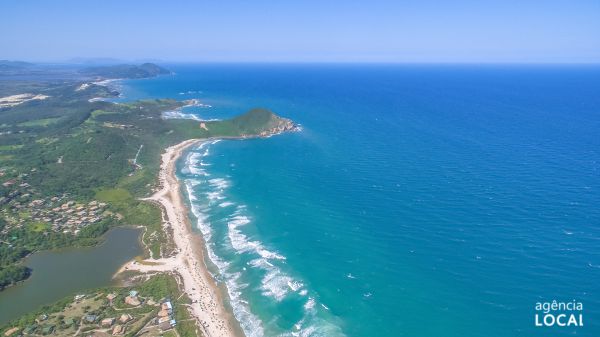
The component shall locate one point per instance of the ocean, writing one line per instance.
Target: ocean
(418, 200)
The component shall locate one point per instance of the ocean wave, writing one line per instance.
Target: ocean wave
(274, 283)
(219, 183)
(191, 165)
(242, 244)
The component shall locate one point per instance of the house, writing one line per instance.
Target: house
(125, 318)
(167, 306)
(163, 313)
(9, 183)
(118, 329)
(133, 293)
(111, 297)
(133, 301)
(107, 322)
(37, 202)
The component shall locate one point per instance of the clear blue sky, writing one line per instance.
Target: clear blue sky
(303, 30)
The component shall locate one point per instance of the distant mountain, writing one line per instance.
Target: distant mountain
(14, 65)
(95, 61)
(126, 71)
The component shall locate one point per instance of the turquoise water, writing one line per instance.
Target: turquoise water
(417, 200)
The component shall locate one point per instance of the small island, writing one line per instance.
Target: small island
(74, 165)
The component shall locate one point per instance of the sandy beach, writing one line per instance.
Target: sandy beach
(188, 261)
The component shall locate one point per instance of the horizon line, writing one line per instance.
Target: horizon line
(115, 61)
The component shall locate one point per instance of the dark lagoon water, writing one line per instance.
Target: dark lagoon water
(417, 201)
(60, 273)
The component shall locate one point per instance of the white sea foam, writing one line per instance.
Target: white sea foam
(242, 244)
(275, 282)
(219, 183)
(191, 165)
(310, 304)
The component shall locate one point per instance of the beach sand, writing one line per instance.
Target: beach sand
(188, 261)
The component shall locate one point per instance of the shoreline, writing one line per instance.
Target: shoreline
(208, 306)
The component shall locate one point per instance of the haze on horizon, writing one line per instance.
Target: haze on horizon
(303, 31)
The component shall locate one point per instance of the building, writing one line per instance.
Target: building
(133, 301)
(110, 298)
(125, 318)
(167, 306)
(118, 330)
(107, 322)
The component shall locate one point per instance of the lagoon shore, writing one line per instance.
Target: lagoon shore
(188, 261)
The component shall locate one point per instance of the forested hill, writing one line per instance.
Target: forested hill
(145, 70)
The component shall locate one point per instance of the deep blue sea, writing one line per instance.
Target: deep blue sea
(420, 201)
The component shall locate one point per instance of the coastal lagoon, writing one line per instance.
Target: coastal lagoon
(416, 201)
(63, 272)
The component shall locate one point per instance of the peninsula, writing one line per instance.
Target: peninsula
(74, 165)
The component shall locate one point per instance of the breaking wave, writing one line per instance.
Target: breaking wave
(251, 267)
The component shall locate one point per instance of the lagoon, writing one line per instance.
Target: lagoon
(63, 272)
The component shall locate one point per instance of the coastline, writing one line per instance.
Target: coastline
(208, 305)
